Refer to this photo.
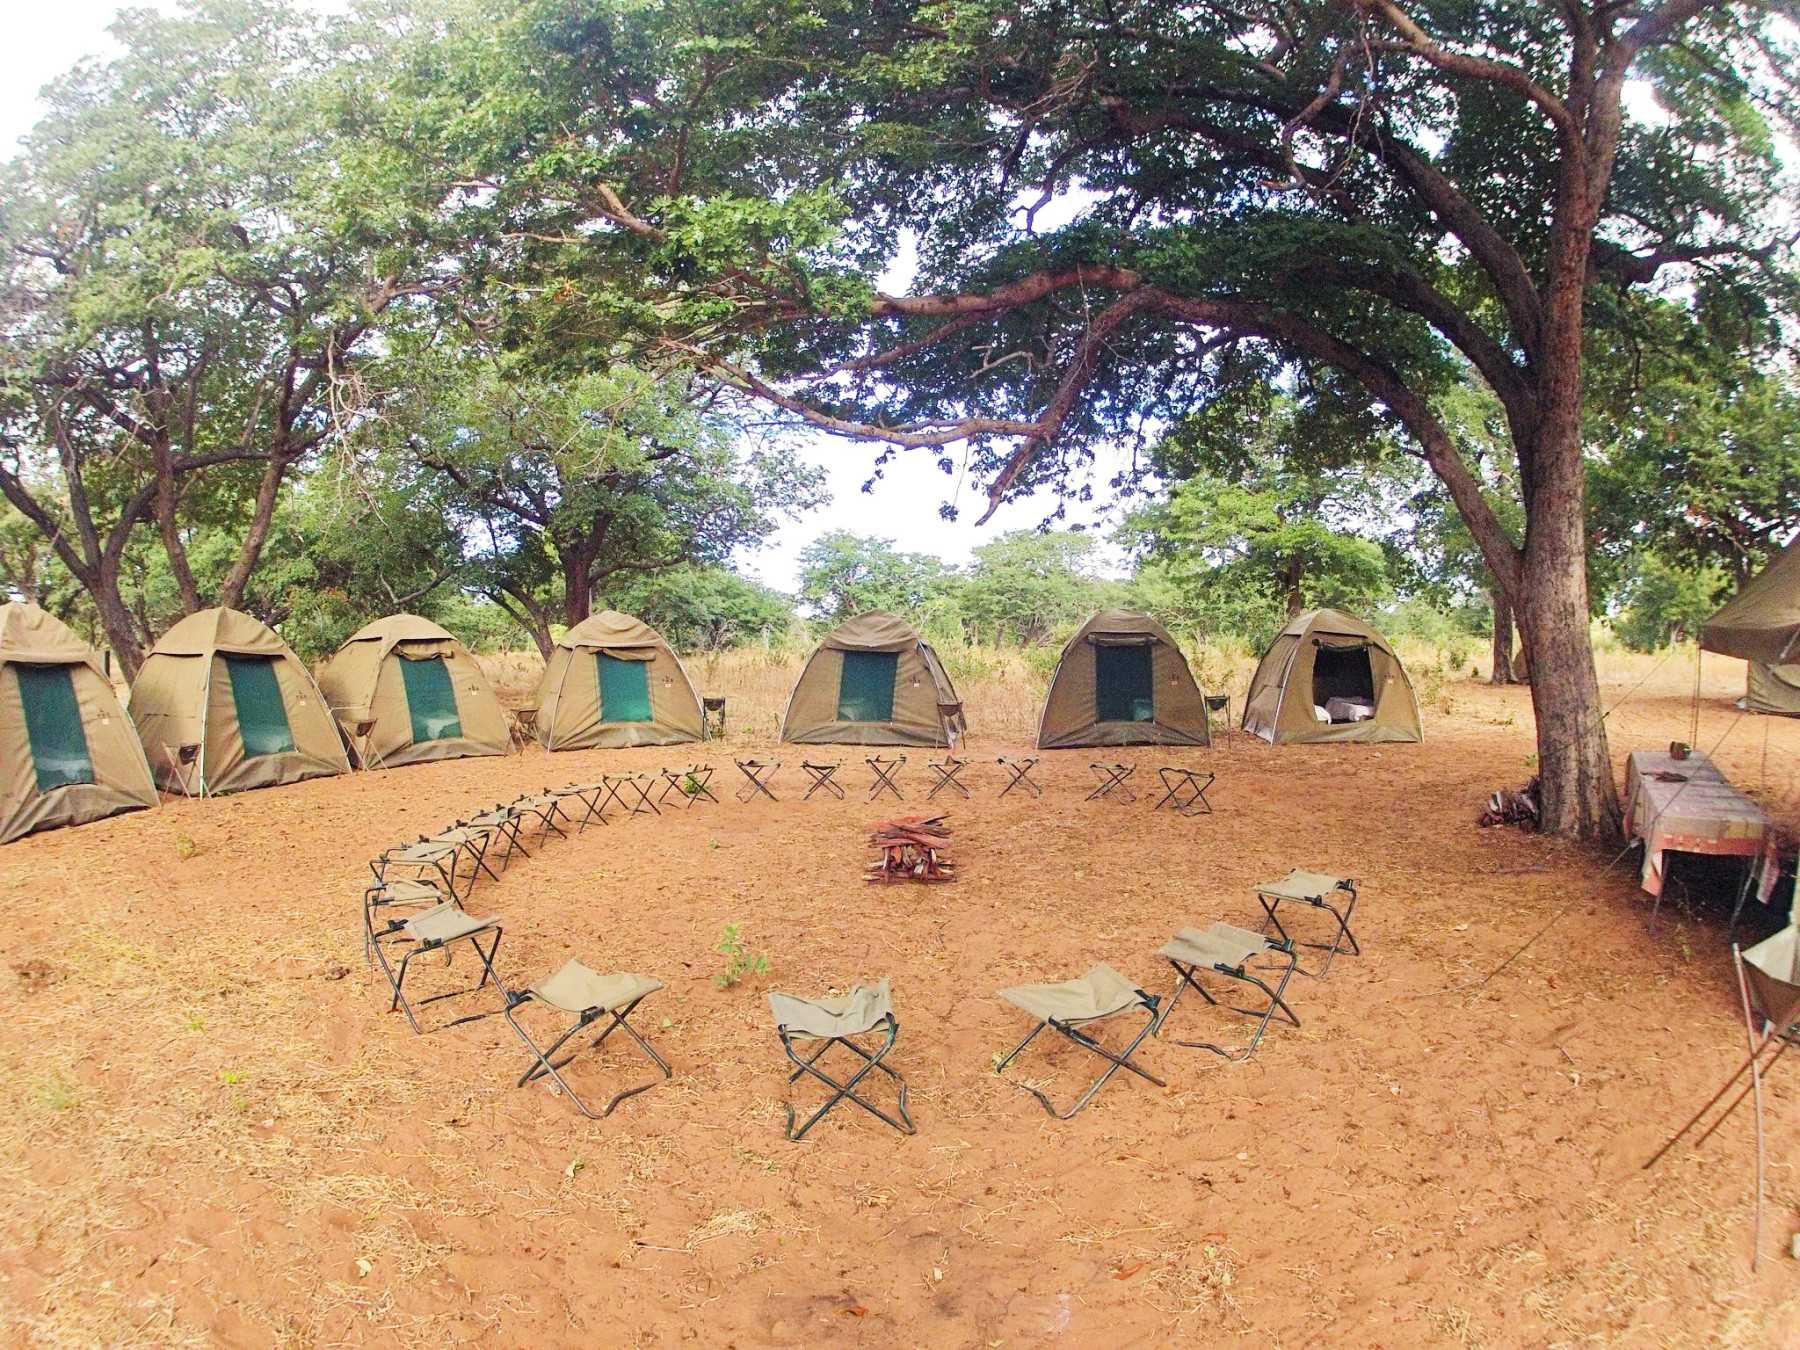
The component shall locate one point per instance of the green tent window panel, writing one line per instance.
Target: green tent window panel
(59, 746)
(624, 690)
(261, 713)
(431, 700)
(1123, 688)
(866, 688)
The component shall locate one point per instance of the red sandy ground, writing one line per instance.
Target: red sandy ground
(215, 1134)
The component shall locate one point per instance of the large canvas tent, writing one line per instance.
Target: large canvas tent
(222, 682)
(612, 681)
(1330, 677)
(420, 690)
(68, 753)
(1121, 680)
(872, 681)
(1762, 626)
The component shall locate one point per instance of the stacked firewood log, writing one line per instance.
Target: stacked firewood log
(912, 848)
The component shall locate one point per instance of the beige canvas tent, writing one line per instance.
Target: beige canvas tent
(872, 681)
(612, 681)
(1331, 677)
(1121, 680)
(418, 689)
(224, 693)
(68, 753)
(1762, 626)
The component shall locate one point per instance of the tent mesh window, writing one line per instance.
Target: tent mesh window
(866, 688)
(1342, 672)
(624, 689)
(59, 747)
(262, 716)
(430, 699)
(1123, 688)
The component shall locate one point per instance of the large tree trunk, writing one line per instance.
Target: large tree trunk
(115, 620)
(1579, 796)
(262, 518)
(1502, 672)
(578, 585)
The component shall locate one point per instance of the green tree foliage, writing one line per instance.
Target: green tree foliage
(1028, 584)
(1662, 603)
(706, 608)
(844, 574)
(566, 490)
(196, 245)
(1363, 195)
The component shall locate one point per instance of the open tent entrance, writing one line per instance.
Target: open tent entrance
(866, 688)
(624, 689)
(1343, 672)
(59, 745)
(1123, 688)
(261, 713)
(430, 699)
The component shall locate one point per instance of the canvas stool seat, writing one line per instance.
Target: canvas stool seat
(426, 858)
(434, 930)
(1226, 950)
(835, 1021)
(587, 995)
(1066, 1007)
(397, 894)
(1321, 892)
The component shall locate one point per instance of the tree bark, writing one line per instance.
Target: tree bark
(1502, 672)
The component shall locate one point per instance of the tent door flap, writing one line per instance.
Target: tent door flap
(261, 713)
(59, 746)
(1124, 690)
(624, 689)
(430, 700)
(866, 686)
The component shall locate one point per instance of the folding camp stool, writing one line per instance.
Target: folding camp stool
(1067, 1008)
(521, 728)
(547, 806)
(587, 995)
(1112, 782)
(760, 776)
(820, 774)
(639, 785)
(503, 822)
(471, 844)
(1220, 704)
(691, 785)
(712, 718)
(184, 766)
(427, 858)
(886, 771)
(438, 930)
(1020, 769)
(834, 1021)
(1310, 888)
(1185, 790)
(396, 895)
(361, 736)
(947, 770)
(590, 796)
(1226, 951)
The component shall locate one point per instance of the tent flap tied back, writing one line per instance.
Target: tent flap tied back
(1328, 676)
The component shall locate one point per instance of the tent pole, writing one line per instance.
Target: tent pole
(1737, 960)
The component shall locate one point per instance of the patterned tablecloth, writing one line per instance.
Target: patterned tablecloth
(1687, 806)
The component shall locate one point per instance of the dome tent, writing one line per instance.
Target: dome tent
(1328, 676)
(68, 753)
(1761, 624)
(421, 689)
(1121, 680)
(224, 683)
(612, 682)
(872, 681)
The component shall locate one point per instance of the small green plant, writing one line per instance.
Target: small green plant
(690, 785)
(53, 1092)
(739, 959)
(231, 1077)
(185, 847)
